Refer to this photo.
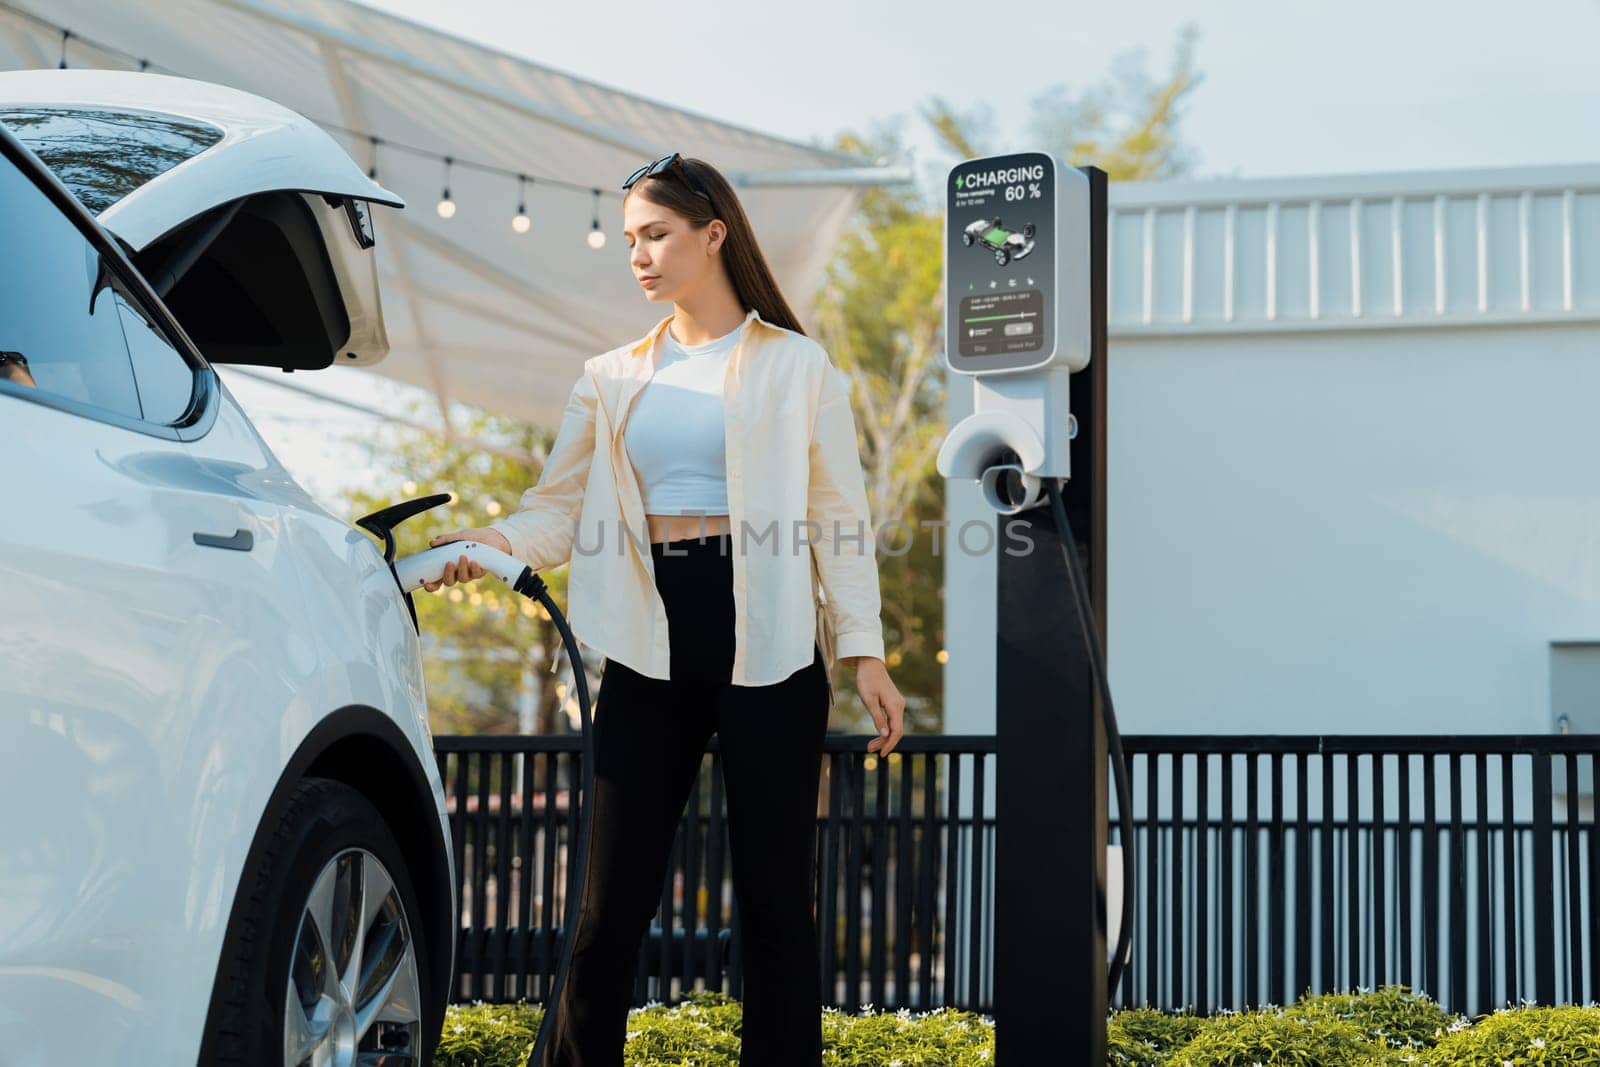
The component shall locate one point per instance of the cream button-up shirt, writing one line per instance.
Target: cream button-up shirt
(803, 546)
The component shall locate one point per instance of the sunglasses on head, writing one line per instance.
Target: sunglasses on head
(661, 166)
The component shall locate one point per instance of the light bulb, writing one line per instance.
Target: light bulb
(520, 222)
(447, 207)
(597, 236)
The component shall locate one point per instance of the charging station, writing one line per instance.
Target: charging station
(1025, 299)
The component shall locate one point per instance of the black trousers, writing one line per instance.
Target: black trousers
(650, 738)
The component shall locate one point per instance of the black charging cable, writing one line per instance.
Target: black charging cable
(533, 587)
(1119, 767)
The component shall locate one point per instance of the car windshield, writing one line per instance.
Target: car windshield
(103, 154)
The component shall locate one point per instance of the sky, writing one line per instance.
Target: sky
(1287, 89)
(1290, 88)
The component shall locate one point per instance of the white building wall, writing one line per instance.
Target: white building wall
(1353, 460)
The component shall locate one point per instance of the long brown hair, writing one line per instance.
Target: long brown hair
(741, 255)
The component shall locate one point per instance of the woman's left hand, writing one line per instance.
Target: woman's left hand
(883, 701)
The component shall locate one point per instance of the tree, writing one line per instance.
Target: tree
(878, 316)
(1127, 126)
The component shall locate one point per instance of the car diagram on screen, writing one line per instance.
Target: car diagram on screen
(1006, 244)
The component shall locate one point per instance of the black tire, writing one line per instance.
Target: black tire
(1001, 256)
(322, 819)
(1028, 231)
(966, 239)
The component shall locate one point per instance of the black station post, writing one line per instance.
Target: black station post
(1051, 775)
(1025, 318)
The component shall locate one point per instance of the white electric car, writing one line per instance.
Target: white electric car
(222, 828)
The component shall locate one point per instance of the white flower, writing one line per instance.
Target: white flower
(1538, 1042)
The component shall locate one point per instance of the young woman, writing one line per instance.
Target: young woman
(723, 433)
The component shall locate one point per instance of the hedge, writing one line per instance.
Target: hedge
(1387, 1027)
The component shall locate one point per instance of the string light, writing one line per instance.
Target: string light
(520, 222)
(597, 236)
(447, 207)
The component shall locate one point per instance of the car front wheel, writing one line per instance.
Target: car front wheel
(327, 970)
(1001, 257)
(966, 239)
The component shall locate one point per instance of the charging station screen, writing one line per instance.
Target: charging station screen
(1000, 255)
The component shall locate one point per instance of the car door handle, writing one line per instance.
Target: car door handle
(240, 541)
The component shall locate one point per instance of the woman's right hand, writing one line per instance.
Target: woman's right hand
(466, 569)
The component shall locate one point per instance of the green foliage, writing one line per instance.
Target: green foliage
(1125, 1050)
(1392, 1015)
(940, 1038)
(1388, 1027)
(487, 1035)
(704, 1030)
(1144, 1037)
(1569, 1036)
(1274, 1036)
(878, 315)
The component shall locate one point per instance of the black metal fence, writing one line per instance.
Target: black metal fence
(1265, 867)
(903, 875)
(1464, 866)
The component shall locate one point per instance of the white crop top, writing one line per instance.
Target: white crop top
(675, 437)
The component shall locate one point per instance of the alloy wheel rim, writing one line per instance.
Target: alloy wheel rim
(353, 996)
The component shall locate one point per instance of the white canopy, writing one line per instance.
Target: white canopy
(476, 312)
